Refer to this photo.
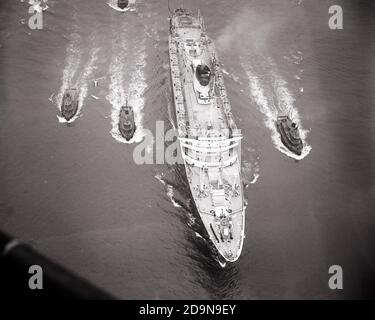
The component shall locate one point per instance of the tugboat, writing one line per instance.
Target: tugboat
(289, 134)
(69, 105)
(208, 136)
(122, 4)
(126, 123)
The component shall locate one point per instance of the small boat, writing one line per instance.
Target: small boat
(122, 4)
(289, 134)
(69, 105)
(126, 123)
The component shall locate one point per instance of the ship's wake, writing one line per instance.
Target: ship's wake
(170, 191)
(250, 170)
(269, 91)
(39, 5)
(72, 62)
(273, 101)
(177, 193)
(118, 96)
(71, 78)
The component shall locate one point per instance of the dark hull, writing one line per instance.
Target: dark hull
(125, 134)
(122, 4)
(126, 124)
(295, 147)
(69, 113)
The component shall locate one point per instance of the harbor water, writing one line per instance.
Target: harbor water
(74, 192)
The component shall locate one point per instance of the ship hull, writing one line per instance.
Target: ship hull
(208, 222)
(295, 146)
(210, 150)
(126, 123)
(69, 114)
(69, 110)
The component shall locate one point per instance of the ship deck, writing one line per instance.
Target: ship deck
(209, 117)
(210, 149)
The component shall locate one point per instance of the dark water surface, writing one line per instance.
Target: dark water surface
(74, 192)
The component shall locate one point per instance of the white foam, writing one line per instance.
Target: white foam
(72, 61)
(118, 98)
(258, 95)
(170, 193)
(81, 83)
(255, 179)
(136, 91)
(39, 5)
(116, 95)
(191, 220)
(198, 235)
(170, 190)
(250, 171)
(285, 105)
(160, 178)
(231, 76)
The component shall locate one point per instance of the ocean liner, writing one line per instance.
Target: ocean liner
(209, 139)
